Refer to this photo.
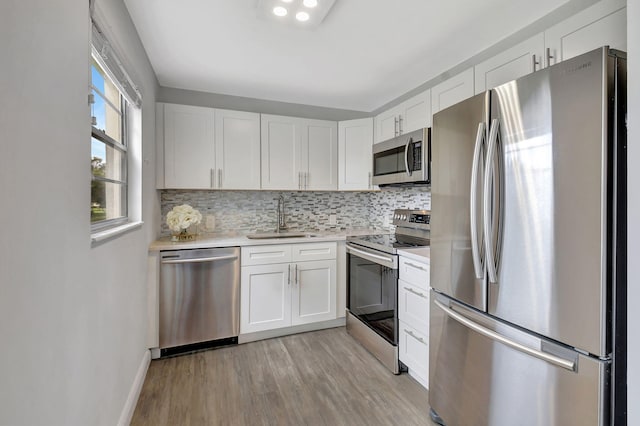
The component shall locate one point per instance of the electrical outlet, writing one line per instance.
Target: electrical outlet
(210, 222)
(333, 219)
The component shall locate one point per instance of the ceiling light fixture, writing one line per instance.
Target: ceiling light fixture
(310, 3)
(302, 16)
(280, 11)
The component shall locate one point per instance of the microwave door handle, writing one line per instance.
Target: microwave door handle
(473, 203)
(406, 157)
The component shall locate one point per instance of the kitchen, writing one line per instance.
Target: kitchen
(74, 326)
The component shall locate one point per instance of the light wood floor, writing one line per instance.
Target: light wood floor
(318, 378)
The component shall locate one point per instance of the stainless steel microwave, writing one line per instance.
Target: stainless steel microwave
(403, 160)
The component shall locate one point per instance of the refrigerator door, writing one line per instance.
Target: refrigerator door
(458, 145)
(485, 372)
(549, 273)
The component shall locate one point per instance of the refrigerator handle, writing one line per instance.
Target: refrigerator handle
(488, 196)
(550, 358)
(475, 248)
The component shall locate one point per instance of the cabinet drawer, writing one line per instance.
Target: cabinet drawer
(313, 251)
(414, 272)
(413, 306)
(263, 255)
(414, 352)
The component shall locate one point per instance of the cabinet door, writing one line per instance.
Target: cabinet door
(452, 91)
(280, 159)
(511, 64)
(265, 297)
(604, 23)
(387, 123)
(319, 162)
(416, 112)
(413, 351)
(313, 296)
(355, 160)
(189, 150)
(413, 306)
(237, 149)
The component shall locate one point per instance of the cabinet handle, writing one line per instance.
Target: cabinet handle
(410, 290)
(306, 181)
(219, 178)
(534, 62)
(299, 180)
(419, 339)
(400, 125)
(289, 275)
(297, 282)
(370, 181)
(395, 126)
(213, 179)
(549, 56)
(415, 266)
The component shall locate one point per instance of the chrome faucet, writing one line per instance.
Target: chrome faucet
(282, 220)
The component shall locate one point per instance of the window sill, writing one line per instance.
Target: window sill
(102, 236)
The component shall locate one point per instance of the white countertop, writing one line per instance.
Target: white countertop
(238, 239)
(420, 254)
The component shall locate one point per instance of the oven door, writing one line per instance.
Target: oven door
(372, 290)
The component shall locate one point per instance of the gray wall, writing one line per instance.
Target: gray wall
(215, 100)
(72, 317)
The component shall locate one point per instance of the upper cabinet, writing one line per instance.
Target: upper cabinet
(410, 115)
(189, 150)
(513, 63)
(452, 91)
(604, 23)
(201, 148)
(355, 159)
(237, 149)
(298, 153)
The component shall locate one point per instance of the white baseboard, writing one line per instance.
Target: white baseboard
(132, 400)
(279, 332)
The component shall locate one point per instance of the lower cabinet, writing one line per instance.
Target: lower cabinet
(290, 292)
(413, 316)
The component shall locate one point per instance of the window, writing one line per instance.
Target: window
(108, 151)
(116, 142)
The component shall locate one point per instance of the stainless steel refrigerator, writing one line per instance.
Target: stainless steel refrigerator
(528, 250)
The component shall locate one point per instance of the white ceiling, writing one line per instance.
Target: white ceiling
(365, 53)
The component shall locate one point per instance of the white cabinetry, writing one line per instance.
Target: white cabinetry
(410, 115)
(299, 153)
(522, 59)
(355, 160)
(604, 23)
(452, 91)
(287, 284)
(237, 149)
(413, 315)
(189, 150)
(207, 148)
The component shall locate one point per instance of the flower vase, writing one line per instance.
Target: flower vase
(184, 235)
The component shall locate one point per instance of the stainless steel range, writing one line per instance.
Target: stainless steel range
(372, 283)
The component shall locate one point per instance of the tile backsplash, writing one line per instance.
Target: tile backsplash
(256, 210)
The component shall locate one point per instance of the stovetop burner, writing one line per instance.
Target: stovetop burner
(412, 230)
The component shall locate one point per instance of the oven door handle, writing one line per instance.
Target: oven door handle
(388, 261)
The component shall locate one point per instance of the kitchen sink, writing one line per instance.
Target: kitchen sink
(269, 235)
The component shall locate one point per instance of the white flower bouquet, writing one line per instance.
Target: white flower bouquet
(180, 218)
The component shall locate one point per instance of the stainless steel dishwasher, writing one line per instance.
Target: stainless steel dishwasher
(199, 299)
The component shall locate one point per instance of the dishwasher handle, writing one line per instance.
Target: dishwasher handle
(201, 259)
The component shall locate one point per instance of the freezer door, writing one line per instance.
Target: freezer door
(550, 139)
(483, 372)
(458, 144)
